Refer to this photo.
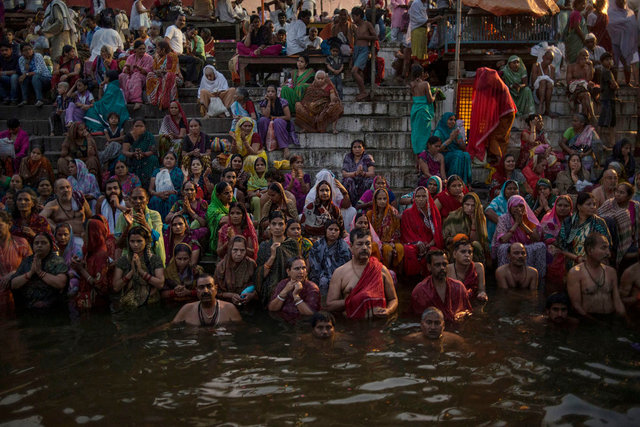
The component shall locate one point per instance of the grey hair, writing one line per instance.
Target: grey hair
(319, 72)
(431, 310)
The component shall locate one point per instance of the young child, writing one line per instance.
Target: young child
(608, 88)
(57, 119)
(82, 100)
(335, 65)
(281, 38)
(114, 136)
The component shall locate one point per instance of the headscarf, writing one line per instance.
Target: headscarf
(514, 77)
(328, 176)
(368, 195)
(438, 181)
(215, 212)
(430, 216)
(491, 101)
(95, 248)
(84, 181)
(544, 182)
(241, 150)
(375, 219)
(256, 182)
(500, 203)
(529, 219)
(217, 85)
(481, 220)
(182, 115)
(72, 248)
(443, 131)
(231, 282)
(551, 223)
(374, 236)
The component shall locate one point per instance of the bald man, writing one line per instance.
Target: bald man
(432, 333)
(66, 208)
(517, 274)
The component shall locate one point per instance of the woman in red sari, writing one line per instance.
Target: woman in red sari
(26, 222)
(451, 199)
(551, 224)
(239, 224)
(420, 230)
(385, 220)
(492, 114)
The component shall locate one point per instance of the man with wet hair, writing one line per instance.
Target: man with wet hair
(517, 274)
(557, 310)
(432, 331)
(592, 285)
(207, 311)
(323, 325)
(67, 207)
(439, 291)
(362, 287)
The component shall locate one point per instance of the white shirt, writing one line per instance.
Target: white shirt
(296, 33)
(102, 37)
(316, 43)
(176, 39)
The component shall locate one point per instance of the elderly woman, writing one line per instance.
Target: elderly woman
(520, 225)
(542, 199)
(470, 221)
(78, 144)
(165, 184)
(83, 181)
(577, 227)
(276, 121)
(327, 254)
(35, 167)
(20, 139)
(41, 278)
(162, 81)
(514, 75)
(134, 74)
(358, 170)
(214, 85)
(320, 106)
(234, 273)
(139, 147)
(101, 64)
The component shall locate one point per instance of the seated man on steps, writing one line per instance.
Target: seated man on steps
(581, 86)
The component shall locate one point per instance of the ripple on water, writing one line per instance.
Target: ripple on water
(437, 398)
(620, 372)
(32, 421)
(16, 397)
(390, 383)
(358, 398)
(572, 406)
(246, 386)
(345, 366)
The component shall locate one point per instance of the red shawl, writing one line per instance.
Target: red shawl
(448, 202)
(491, 101)
(368, 292)
(424, 295)
(414, 229)
(471, 281)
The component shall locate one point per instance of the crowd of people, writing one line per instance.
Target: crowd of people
(127, 226)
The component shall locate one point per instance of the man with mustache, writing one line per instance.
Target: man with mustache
(432, 333)
(363, 287)
(69, 208)
(207, 311)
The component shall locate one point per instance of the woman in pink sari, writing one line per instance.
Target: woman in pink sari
(134, 74)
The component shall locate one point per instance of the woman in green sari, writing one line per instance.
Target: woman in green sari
(300, 81)
(470, 221)
(139, 147)
(218, 209)
(514, 75)
(97, 117)
(575, 32)
(577, 227)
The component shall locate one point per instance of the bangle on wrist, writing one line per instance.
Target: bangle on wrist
(280, 298)
(300, 301)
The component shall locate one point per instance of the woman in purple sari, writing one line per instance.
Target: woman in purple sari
(358, 170)
(275, 112)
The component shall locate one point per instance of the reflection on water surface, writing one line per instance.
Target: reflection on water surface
(110, 370)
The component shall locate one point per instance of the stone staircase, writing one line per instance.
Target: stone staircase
(383, 124)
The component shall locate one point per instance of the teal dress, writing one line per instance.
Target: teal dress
(112, 101)
(456, 160)
(421, 116)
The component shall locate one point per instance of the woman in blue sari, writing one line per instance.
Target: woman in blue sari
(498, 206)
(456, 159)
(97, 117)
(243, 107)
(165, 185)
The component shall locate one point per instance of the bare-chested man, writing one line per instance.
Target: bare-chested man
(67, 209)
(592, 285)
(517, 274)
(432, 333)
(208, 311)
(580, 79)
(630, 288)
(343, 29)
(470, 273)
(607, 187)
(365, 34)
(363, 287)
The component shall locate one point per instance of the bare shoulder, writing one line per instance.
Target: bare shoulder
(501, 271)
(340, 270)
(610, 270)
(479, 267)
(182, 314)
(632, 273)
(531, 271)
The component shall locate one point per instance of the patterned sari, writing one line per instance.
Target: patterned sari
(143, 167)
(316, 111)
(299, 85)
(572, 234)
(387, 226)
(161, 91)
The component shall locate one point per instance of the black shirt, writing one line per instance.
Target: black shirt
(9, 64)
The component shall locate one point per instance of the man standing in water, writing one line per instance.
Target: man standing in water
(432, 331)
(66, 208)
(470, 273)
(363, 287)
(557, 310)
(517, 274)
(592, 285)
(630, 287)
(207, 311)
(323, 325)
(442, 292)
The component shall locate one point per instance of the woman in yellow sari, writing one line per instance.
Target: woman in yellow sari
(247, 143)
(385, 221)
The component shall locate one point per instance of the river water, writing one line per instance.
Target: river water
(110, 370)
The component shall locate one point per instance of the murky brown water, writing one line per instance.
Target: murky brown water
(123, 370)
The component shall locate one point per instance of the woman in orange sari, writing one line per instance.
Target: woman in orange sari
(162, 81)
(385, 220)
(320, 106)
